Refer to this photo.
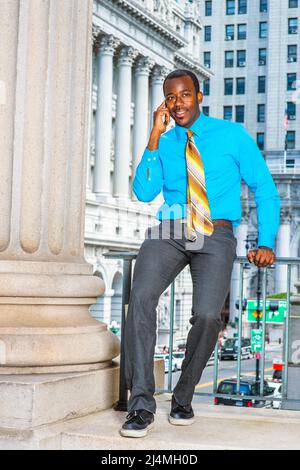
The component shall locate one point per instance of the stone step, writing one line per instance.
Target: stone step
(215, 427)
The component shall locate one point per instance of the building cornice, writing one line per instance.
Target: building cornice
(146, 17)
(188, 62)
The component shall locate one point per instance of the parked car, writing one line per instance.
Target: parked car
(230, 349)
(178, 358)
(175, 365)
(248, 386)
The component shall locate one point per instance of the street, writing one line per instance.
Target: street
(227, 369)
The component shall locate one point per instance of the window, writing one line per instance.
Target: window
(262, 56)
(230, 7)
(292, 53)
(242, 31)
(290, 140)
(227, 113)
(260, 140)
(261, 88)
(208, 8)
(293, 3)
(263, 29)
(229, 32)
(291, 81)
(207, 33)
(242, 7)
(241, 58)
(293, 26)
(240, 113)
(205, 110)
(228, 86)
(263, 6)
(240, 86)
(291, 110)
(207, 59)
(206, 87)
(229, 58)
(261, 111)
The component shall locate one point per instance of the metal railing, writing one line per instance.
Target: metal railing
(129, 257)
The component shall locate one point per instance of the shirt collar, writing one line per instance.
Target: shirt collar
(197, 127)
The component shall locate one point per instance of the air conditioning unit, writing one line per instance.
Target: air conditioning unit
(207, 65)
(293, 30)
(242, 64)
(292, 117)
(262, 62)
(229, 38)
(291, 59)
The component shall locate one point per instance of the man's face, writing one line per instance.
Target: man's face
(182, 100)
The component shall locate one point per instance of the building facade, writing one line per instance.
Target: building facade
(252, 46)
(245, 55)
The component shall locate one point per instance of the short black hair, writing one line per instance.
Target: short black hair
(183, 73)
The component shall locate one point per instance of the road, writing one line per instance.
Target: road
(227, 369)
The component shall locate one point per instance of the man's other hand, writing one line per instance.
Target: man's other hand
(263, 256)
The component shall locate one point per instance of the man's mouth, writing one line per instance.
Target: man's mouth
(180, 114)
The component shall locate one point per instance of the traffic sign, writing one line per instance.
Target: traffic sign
(272, 316)
(256, 341)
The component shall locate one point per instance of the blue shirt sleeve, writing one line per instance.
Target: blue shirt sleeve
(148, 180)
(255, 173)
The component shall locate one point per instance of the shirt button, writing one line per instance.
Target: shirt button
(149, 159)
(154, 158)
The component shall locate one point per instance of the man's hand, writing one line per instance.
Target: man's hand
(161, 118)
(262, 257)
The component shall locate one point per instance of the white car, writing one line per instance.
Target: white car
(165, 357)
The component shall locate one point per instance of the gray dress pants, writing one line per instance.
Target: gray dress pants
(158, 263)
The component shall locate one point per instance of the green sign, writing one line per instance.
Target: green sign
(276, 316)
(256, 340)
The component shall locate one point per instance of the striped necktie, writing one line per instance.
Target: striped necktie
(198, 211)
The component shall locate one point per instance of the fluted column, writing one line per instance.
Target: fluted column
(157, 79)
(283, 243)
(141, 117)
(123, 127)
(46, 286)
(103, 128)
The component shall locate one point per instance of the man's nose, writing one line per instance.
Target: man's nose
(178, 100)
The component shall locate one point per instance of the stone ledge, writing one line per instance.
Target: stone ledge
(215, 428)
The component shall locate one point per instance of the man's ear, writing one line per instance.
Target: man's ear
(200, 97)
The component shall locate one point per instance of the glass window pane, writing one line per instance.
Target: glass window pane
(260, 140)
(260, 113)
(263, 7)
(292, 53)
(240, 86)
(242, 7)
(241, 58)
(207, 59)
(293, 3)
(291, 81)
(228, 113)
(207, 33)
(229, 58)
(229, 32)
(240, 113)
(208, 8)
(263, 29)
(242, 31)
(261, 84)
(293, 26)
(262, 56)
(228, 86)
(230, 7)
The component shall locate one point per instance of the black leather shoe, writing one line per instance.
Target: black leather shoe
(137, 424)
(181, 415)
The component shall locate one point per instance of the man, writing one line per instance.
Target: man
(199, 165)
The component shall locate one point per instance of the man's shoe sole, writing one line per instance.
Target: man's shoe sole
(181, 422)
(136, 432)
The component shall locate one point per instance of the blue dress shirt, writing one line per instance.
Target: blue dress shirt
(229, 154)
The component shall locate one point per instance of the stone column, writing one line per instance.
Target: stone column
(123, 125)
(141, 118)
(283, 247)
(46, 286)
(103, 128)
(157, 80)
(241, 234)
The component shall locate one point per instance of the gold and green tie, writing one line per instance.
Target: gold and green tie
(198, 210)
